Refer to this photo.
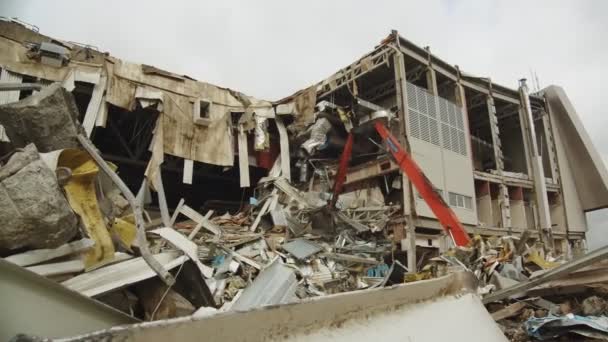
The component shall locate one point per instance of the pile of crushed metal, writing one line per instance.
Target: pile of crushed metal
(535, 296)
(69, 217)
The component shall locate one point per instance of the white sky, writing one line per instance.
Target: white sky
(269, 49)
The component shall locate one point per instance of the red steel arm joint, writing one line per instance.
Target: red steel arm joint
(425, 188)
(342, 169)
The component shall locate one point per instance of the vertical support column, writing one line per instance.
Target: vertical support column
(409, 206)
(525, 139)
(555, 165)
(461, 100)
(538, 173)
(503, 192)
(431, 76)
(431, 80)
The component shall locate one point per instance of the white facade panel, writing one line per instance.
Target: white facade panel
(439, 145)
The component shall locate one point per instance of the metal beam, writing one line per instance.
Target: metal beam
(503, 193)
(409, 206)
(20, 86)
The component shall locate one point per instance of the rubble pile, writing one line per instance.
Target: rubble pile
(572, 307)
(72, 222)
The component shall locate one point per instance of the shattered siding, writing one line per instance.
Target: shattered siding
(182, 138)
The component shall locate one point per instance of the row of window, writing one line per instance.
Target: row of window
(455, 200)
(460, 201)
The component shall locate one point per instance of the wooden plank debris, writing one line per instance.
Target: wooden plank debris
(508, 311)
(185, 245)
(263, 211)
(242, 258)
(200, 219)
(199, 225)
(176, 212)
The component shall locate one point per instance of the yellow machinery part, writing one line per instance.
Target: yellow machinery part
(81, 193)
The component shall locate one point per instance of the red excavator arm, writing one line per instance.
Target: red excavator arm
(421, 183)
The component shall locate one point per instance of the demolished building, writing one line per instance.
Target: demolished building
(507, 162)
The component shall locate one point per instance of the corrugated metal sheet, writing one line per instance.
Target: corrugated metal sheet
(276, 284)
(301, 248)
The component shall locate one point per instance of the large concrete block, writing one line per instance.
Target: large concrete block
(49, 119)
(33, 210)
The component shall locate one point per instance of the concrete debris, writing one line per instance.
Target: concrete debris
(35, 213)
(594, 306)
(48, 119)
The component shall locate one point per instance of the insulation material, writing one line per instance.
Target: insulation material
(147, 97)
(318, 135)
(81, 194)
(261, 137)
(305, 107)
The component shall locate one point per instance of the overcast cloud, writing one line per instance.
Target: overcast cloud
(270, 49)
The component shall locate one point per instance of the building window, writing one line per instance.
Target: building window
(460, 201)
(201, 112)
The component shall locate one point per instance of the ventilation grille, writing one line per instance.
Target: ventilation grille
(436, 120)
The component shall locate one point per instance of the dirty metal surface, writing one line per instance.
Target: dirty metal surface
(409, 312)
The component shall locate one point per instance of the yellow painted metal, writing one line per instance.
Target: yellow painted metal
(81, 193)
(124, 229)
(535, 258)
